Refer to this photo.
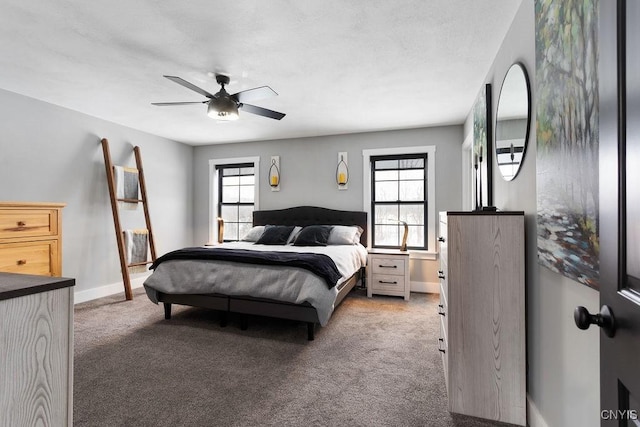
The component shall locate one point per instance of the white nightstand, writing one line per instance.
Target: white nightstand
(388, 273)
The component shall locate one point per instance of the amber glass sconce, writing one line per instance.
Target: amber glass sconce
(342, 171)
(274, 173)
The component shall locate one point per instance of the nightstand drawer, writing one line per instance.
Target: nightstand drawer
(383, 282)
(388, 266)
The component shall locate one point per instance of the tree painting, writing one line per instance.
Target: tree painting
(481, 149)
(567, 137)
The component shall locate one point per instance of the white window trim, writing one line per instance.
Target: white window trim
(431, 192)
(213, 188)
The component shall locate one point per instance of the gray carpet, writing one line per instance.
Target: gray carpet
(375, 364)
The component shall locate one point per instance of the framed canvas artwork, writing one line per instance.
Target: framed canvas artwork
(481, 151)
(567, 138)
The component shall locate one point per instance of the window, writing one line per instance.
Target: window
(236, 199)
(234, 189)
(422, 243)
(399, 193)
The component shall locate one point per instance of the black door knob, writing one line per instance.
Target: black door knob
(604, 319)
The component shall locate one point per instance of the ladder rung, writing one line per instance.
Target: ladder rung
(135, 264)
(130, 200)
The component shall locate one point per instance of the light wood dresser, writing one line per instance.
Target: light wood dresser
(482, 314)
(36, 350)
(31, 238)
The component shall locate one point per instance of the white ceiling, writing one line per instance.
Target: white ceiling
(338, 67)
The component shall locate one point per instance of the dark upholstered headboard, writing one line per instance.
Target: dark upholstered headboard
(312, 215)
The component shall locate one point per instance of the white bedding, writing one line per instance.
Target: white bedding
(289, 284)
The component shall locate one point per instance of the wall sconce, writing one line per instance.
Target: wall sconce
(274, 173)
(342, 171)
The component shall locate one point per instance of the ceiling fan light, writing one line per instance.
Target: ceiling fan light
(223, 109)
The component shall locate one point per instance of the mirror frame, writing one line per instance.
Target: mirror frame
(528, 129)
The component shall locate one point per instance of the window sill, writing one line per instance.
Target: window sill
(415, 254)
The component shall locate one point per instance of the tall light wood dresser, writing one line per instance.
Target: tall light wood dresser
(31, 238)
(36, 318)
(482, 313)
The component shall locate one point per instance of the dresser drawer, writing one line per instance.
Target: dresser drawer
(442, 313)
(443, 292)
(443, 349)
(388, 266)
(19, 223)
(444, 282)
(30, 257)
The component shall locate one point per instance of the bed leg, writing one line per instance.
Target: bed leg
(167, 310)
(311, 329)
(224, 319)
(244, 322)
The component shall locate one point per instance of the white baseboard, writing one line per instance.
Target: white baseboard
(425, 287)
(534, 416)
(106, 290)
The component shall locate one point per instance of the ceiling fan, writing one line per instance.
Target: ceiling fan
(222, 105)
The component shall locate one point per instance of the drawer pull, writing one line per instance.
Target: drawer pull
(440, 309)
(440, 274)
(21, 262)
(388, 283)
(440, 349)
(387, 266)
(22, 224)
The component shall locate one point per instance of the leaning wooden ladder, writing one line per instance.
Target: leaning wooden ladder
(124, 265)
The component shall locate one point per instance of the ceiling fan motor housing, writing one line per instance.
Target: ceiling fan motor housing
(222, 79)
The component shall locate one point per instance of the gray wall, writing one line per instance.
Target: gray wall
(308, 173)
(52, 154)
(563, 361)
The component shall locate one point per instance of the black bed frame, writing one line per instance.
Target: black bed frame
(302, 216)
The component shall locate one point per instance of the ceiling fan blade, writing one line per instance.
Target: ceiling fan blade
(188, 85)
(167, 104)
(253, 94)
(261, 111)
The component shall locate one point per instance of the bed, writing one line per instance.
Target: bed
(287, 291)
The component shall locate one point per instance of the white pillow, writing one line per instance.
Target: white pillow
(254, 234)
(344, 235)
(294, 234)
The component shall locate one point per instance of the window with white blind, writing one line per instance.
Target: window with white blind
(234, 196)
(399, 195)
(236, 189)
(399, 185)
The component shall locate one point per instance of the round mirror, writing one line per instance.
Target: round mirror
(512, 121)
